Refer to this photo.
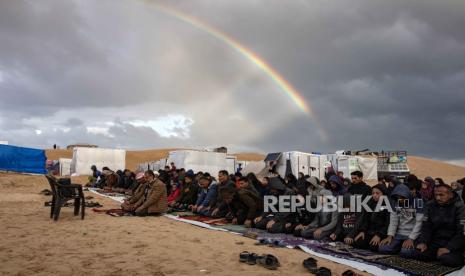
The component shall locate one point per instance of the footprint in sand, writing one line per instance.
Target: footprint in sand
(140, 245)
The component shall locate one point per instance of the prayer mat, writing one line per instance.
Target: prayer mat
(415, 267)
(113, 212)
(342, 248)
(181, 214)
(240, 229)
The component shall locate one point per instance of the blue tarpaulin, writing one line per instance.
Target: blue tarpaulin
(23, 160)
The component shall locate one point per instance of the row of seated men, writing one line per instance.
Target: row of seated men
(427, 231)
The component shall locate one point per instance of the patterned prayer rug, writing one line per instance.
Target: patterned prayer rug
(417, 268)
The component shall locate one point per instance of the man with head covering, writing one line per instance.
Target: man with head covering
(404, 223)
(129, 204)
(154, 200)
(275, 222)
(324, 221)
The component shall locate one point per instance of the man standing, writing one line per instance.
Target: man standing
(442, 233)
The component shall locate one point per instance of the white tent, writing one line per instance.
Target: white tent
(295, 162)
(211, 162)
(252, 167)
(65, 166)
(3, 142)
(350, 163)
(84, 158)
(369, 167)
(231, 163)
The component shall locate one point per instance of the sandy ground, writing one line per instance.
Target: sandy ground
(32, 244)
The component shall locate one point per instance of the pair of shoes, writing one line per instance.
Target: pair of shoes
(270, 243)
(268, 261)
(93, 204)
(311, 265)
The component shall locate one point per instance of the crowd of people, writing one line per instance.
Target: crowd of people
(427, 222)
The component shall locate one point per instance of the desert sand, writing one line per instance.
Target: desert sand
(32, 244)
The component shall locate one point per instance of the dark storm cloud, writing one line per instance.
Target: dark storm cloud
(378, 74)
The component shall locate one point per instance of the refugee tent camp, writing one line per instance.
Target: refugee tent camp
(295, 162)
(22, 160)
(205, 161)
(84, 158)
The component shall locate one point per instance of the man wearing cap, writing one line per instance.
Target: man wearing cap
(154, 200)
(138, 192)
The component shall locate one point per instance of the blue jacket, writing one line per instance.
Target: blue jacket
(206, 196)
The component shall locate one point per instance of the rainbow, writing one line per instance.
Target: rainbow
(279, 80)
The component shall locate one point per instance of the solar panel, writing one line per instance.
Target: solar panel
(272, 157)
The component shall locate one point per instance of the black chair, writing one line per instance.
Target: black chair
(64, 191)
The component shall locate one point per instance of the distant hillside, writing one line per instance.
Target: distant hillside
(423, 167)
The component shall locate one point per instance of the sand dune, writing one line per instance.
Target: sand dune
(423, 167)
(32, 244)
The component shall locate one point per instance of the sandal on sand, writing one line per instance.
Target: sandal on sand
(269, 261)
(253, 258)
(311, 265)
(244, 256)
(323, 271)
(348, 273)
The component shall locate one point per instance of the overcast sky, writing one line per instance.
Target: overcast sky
(121, 73)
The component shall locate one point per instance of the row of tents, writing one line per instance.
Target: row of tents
(26, 160)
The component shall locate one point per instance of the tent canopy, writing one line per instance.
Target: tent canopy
(23, 160)
(84, 158)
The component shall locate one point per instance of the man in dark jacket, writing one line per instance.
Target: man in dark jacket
(374, 227)
(275, 222)
(220, 208)
(244, 205)
(189, 191)
(359, 187)
(442, 233)
(348, 224)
